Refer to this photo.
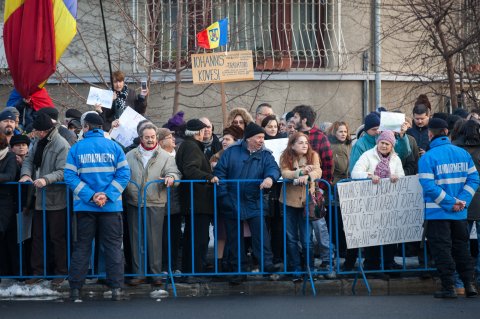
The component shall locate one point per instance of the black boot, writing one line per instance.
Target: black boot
(470, 290)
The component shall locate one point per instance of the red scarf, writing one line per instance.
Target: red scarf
(147, 148)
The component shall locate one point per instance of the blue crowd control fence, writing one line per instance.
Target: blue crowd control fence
(333, 217)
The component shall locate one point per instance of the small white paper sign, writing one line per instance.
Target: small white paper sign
(127, 131)
(391, 121)
(277, 146)
(99, 96)
(473, 234)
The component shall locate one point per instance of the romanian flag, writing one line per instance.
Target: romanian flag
(214, 36)
(35, 35)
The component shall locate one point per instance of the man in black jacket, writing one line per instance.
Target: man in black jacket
(193, 165)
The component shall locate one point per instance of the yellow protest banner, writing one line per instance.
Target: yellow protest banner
(220, 67)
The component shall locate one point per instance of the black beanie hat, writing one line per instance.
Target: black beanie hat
(437, 123)
(371, 120)
(19, 139)
(50, 111)
(42, 122)
(93, 118)
(253, 129)
(73, 114)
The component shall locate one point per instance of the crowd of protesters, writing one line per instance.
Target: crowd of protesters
(39, 150)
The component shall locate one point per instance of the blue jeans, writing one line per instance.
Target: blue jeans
(323, 239)
(255, 224)
(296, 229)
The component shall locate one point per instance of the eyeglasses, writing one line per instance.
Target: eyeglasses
(240, 122)
(264, 115)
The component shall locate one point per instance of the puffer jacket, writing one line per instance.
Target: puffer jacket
(367, 142)
(367, 163)
(446, 172)
(160, 165)
(237, 163)
(53, 161)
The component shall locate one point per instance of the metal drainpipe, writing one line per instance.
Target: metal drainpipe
(378, 57)
(366, 83)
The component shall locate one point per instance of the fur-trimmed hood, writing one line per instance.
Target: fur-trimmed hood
(239, 111)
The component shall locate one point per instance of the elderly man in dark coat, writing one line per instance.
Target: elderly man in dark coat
(193, 165)
(247, 159)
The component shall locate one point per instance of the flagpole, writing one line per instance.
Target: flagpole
(106, 43)
(224, 99)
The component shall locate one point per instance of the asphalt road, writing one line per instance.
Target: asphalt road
(231, 307)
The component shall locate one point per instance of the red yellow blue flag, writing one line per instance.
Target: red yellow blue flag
(35, 35)
(214, 36)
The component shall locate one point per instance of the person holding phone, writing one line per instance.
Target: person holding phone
(123, 96)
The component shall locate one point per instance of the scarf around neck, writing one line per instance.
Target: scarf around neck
(383, 167)
(120, 103)
(41, 144)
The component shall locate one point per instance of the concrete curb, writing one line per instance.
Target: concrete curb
(255, 287)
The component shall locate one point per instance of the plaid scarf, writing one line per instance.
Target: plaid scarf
(383, 167)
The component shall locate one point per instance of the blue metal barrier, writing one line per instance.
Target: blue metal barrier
(308, 274)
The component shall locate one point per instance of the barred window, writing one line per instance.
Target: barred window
(289, 33)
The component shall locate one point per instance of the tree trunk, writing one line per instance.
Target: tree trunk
(448, 57)
(451, 84)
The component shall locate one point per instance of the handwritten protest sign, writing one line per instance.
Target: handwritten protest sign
(277, 146)
(391, 121)
(385, 213)
(99, 96)
(127, 131)
(222, 67)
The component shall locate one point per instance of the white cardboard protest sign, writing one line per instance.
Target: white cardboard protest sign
(127, 131)
(277, 146)
(380, 214)
(99, 96)
(391, 121)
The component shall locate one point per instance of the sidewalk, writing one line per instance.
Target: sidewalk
(254, 285)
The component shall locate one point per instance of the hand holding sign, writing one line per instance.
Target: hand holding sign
(391, 121)
(100, 97)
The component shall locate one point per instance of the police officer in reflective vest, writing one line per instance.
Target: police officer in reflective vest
(97, 172)
(449, 180)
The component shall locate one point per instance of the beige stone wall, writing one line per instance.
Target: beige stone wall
(333, 99)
